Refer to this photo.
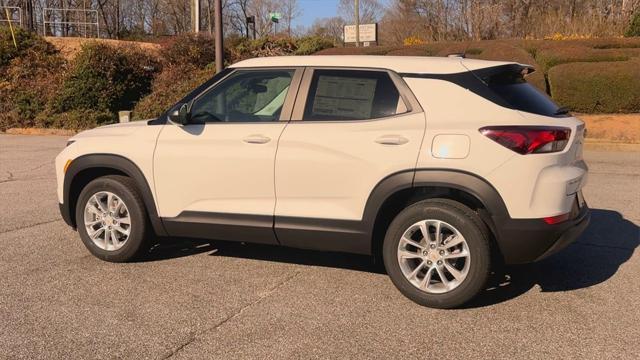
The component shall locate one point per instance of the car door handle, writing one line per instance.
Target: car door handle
(392, 140)
(256, 139)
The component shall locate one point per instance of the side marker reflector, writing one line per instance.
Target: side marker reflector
(557, 219)
(66, 165)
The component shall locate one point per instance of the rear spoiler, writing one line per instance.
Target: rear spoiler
(477, 81)
(526, 69)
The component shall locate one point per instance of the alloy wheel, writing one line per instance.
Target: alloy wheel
(107, 220)
(434, 256)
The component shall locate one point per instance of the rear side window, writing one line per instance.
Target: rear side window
(352, 95)
(511, 87)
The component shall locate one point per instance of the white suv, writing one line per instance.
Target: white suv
(441, 165)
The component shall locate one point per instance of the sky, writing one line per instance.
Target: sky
(315, 9)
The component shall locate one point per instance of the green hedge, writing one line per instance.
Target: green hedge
(197, 50)
(311, 44)
(74, 119)
(168, 88)
(106, 78)
(26, 41)
(30, 76)
(634, 26)
(606, 87)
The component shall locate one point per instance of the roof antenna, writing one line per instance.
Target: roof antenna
(463, 54)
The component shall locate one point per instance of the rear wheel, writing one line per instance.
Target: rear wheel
(437, 253)
(111, 219)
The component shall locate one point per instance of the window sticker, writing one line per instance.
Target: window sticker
(344, 97)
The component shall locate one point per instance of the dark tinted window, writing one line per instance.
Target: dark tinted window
(352, 95)
(519, 95)
(246, 96)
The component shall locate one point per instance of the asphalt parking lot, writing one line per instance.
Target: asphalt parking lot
(225, 300)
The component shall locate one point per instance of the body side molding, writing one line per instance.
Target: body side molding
(116, 162)
(222, 226)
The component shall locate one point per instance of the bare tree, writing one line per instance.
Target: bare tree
(439, 20)
(331, 28)
(290, 10)
(370, 11)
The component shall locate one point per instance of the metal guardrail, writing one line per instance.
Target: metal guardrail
(59, 22)
(11, 11)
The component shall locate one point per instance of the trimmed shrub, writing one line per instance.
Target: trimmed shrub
(196, 50)
(421, 50)
(550, 58)
(168, 88)
(267, 46)
(105, 78)
(29, 80)
(473, 51)
(606, 87)
(29, 103)
(10, 119)
(26, 41)
(311, 44)
(371, 50)
(634, 26)
(75, 119)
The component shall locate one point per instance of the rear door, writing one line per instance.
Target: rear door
(350, 129)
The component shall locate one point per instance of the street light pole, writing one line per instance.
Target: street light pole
(357, 15)
(218, 30)
(195, 16)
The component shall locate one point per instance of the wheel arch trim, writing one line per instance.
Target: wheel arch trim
(112, 162)
(467, 182)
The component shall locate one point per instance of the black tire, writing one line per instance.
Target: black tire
(125, 188)
(470, 226)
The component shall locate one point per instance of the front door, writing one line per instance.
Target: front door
(214, 177)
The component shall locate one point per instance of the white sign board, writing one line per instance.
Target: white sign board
(368, 32)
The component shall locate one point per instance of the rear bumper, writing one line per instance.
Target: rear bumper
(529, 240)
(66, 214)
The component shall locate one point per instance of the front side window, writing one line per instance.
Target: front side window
(245, 96)
(352, 95)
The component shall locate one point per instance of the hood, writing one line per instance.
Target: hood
(119, 129)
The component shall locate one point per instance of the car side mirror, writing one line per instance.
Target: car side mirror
(180, 115)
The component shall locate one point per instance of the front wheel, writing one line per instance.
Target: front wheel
(437, 253)
(111, 219)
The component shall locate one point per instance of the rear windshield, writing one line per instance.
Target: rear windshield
(520, 95)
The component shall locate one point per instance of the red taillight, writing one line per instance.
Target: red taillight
(557, 219)
(529, 139)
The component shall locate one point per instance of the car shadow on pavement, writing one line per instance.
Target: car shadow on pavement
(607, 243)
(180, 247)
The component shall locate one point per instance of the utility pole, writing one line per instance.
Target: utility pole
(218, 30)
(84, 11)
(118, 19)
(357, 16)
(195, 16)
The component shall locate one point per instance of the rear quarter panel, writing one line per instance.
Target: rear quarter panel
(521, 180)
